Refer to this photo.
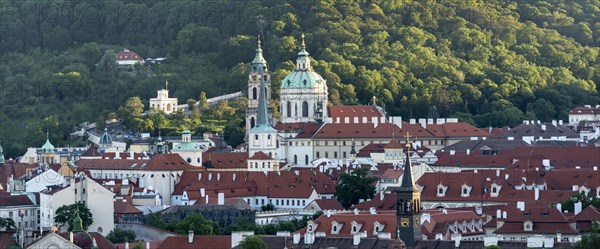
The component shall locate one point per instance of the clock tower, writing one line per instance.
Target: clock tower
(408, 204)
(258, 70)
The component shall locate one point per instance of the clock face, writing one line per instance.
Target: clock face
(404, 222)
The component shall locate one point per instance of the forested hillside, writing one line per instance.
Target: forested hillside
(491, 63)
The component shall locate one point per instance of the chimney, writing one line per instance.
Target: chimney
(233, 177)
(521, 206)
(221, 199)
(131, 156)
(374, 120)
(423, 122)
(595, 168)
(356, 211)
(452, 152)
(537, 193)
(191, 237)
(206, 198)
(445, 211)
(560, 122)
(468, 151)
(412, 121)
(126, 243)
(356, 239)
(218, 177)
(578, 208)
(117, 155)
(296, 238)
(559, 207)
(544, 127)
(497, 173)
(147, 244)
(71, 237)
(202, 192)
(199, 176)
(506, 176)
(381, 195)
(372, 210)
(478, 210)
(210, 176)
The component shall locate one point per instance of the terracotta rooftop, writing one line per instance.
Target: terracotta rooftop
(199, 242)
(225, 160)
(352, 111)
(329, 204)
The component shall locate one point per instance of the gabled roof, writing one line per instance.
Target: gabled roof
(365, 219)
(7, 200)
(127, 55)
(393, 144)
(329, 204)
(260, 156)
(545, 130)
(585, 110)
(225, 160)
(383, 130)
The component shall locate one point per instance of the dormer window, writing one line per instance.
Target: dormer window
(528, 226)
(495, 190)
(441, 190)
(466, 190)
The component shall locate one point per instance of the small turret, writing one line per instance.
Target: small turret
(1, 155)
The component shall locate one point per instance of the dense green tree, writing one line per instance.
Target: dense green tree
(65, 215)
(253, 242)
(132, 108)
(119, 235)
(590, 239)
(355, 186)
(8, 224)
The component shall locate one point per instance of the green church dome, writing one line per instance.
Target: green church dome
(303, 76)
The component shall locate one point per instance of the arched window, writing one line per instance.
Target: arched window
(289, 109)
(305, 159)
(295, 159)
(295, 110)
(254, 93)
(252, 122)
(304, 109)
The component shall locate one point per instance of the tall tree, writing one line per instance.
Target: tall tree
(355, 186)
(253, 242)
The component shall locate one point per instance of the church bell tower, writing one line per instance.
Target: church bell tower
(258, 72)
(408, 204)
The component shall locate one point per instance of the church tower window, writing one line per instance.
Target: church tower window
(289, 109)
(254, 94)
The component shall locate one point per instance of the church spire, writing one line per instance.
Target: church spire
(259, 62)
(262, 117)
(408, 183)
(303, 61)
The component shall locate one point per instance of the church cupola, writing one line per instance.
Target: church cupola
(105, 140)
(303, 93)
(259, 63)
(48, 148)
(408, 204)
(303, 61)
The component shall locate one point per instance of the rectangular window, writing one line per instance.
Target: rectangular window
(344, 154)
(287, 202)
(318, 156)
(326, 154)
(335, 154)
(255, 201)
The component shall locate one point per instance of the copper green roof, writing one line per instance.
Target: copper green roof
(105, 139)
(303, 76)
(185, 146)
(48, 147)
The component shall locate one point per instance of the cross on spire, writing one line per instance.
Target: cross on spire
(303, 40)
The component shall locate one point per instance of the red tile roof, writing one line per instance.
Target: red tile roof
(585, 110)
(225, 160)
(125, 207)
(383, 130)
(329, 204)
(127, 55)
(460, 129)
(366, 219)
(260, 156)
(7, 199)
(199, 242)
(393, 144)
(353, 111)
(168, 162)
